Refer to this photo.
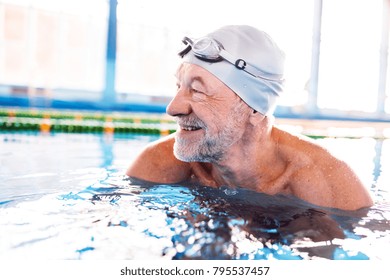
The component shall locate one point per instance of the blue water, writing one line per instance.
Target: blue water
(64, 196)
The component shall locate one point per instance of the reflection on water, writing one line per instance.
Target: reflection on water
(113, 219)
(76, 204)
(216, 224)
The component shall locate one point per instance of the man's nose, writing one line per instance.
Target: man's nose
(179, 105)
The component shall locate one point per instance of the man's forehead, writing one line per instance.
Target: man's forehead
(188, 68)
(192, 72)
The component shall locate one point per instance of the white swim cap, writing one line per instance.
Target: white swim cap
(256, 48)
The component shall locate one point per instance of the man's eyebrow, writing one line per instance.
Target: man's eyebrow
(197, 79)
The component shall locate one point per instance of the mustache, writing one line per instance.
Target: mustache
(189, 121)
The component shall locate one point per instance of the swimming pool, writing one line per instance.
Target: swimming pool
(64, 196)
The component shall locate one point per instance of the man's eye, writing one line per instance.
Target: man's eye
(198, 94)
(196, 90)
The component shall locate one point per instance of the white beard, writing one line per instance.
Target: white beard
(211, 148)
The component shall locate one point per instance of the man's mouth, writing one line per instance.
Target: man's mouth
(190, 124)
(190, 128)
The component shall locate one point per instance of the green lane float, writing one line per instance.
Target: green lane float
(84, 122)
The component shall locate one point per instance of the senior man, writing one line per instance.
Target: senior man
(227, 87)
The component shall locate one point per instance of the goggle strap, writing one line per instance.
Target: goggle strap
(188, 45)
(243, 65)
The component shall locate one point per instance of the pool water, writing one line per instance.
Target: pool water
(65, 196)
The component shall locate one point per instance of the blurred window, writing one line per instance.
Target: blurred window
(53, 43)
(349, 55)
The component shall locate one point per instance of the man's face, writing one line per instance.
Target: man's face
(211, 117)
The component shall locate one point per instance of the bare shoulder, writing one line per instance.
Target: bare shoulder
(320, 177)
(157, 163)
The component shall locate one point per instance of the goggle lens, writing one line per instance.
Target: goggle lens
(210, 50)
(207, 48)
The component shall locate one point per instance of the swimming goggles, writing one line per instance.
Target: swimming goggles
(210, 50)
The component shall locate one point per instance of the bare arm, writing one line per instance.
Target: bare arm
(157, 163)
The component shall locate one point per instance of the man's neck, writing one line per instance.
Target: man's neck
(247, 164)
